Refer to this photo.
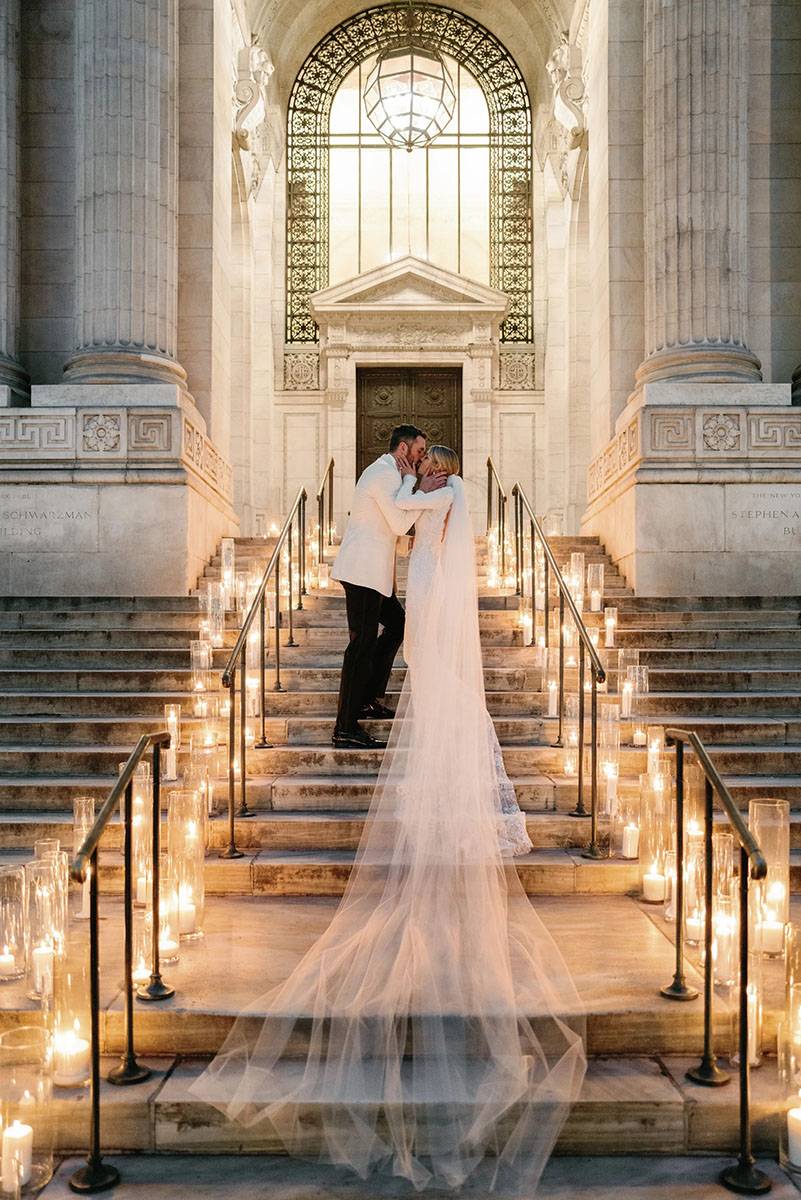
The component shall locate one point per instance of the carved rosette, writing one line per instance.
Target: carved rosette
(301, 372)
(517, 371)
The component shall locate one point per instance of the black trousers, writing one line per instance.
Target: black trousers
(369, 657)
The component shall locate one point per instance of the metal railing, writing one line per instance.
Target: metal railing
(98, 1175)
(237, 661)
(496, 511)
(325, 511)
(528, 527)
(744, 1177)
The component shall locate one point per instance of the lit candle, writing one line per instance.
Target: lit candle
(553, 698)
(654, 752)
(71, 1058)
(43, 970)
(626, 693)
(8, 963)
(140, 973)
(323, 574)
(638, 736)
(653, 886)
(17, 1156)
(694, 927)
(187, 913)
(168, 947)
(595, 601)
(794, 1135)
(772, 935)
(610, 623)
(611, 773)
(631, 840)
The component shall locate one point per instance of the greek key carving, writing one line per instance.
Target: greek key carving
(774, 432)
(149, 432)
(671, 431)
(34, 432)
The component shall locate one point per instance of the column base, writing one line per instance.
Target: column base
(702, 362)
(15, 386)
(118, 365)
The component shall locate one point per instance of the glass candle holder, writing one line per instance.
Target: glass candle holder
(169, 937)
(45, 938)
(626, 831)
(552, 524)
(755, 1013)
(552, 681)
(72, 1059)
(200, 653)
(637, 677)
(172, 719)
(215, 611)
(186, 841)
(26, 1113)
(725, 941)
(526, 619)
(324, 575)
(142, 948)
(723, 864)
(610, 627)
(595, 586)
(142, 834)
(789, 1058)
(655, 740)
(570, 734)
(669, 911)
(655, 835)
(83, 818)
(609, 752)
(575, 580)
(13, 924)
(200, 773)
(228, 570)
(769, 821)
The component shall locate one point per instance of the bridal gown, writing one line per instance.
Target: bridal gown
(429, 527)
(431, 1038)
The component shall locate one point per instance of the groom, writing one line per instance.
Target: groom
(365, 566)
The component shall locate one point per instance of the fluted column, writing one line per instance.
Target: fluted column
(127, 203)
(696, 191)
(11, 373)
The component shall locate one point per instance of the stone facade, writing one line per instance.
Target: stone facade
(142, 244)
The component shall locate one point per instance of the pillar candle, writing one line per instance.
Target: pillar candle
(8, 963)
(794, 1136)
(653, 886)
(43, 970)
(631, 841)
(71, 1059)
(17, 1156)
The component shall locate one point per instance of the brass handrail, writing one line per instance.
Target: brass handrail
(239, 654)
(499, 498)
(744, 1177)
(325, 521)
(597, 673)
(97, 1175)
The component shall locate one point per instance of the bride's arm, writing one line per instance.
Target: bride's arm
(442, 498)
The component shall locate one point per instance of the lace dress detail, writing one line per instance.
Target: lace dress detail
(513, 837)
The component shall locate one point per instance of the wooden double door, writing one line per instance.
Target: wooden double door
(428, 397)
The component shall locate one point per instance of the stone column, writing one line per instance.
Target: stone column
(696, 180)
(127, 197)
(12, 375)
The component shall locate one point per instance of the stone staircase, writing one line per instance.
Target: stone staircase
(82, 678)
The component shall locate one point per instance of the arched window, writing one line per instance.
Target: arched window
(463, 203)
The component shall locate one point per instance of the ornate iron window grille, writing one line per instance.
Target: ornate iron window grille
(496, 72)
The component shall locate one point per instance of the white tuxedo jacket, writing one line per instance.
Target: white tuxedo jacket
(383, 508)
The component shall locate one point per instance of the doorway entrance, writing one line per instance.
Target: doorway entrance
(428, 397)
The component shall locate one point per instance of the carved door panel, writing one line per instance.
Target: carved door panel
(429, 397)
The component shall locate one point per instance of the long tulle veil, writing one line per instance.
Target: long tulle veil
(433, 1030)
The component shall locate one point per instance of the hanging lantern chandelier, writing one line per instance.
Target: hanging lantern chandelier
(409, 95)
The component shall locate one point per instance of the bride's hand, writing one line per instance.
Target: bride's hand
(430, 483)
(404, 466)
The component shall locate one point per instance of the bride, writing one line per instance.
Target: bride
(432, 1032)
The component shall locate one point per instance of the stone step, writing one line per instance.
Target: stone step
(680, 1174)
(103, 619)
(100, 603)
(251, 942)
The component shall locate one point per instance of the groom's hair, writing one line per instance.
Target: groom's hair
(403, 433)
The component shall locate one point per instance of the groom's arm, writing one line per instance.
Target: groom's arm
(391, 501)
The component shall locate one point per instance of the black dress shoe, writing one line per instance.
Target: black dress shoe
(376, 711)
(355, 739)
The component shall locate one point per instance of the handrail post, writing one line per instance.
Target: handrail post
(243, 810)
(744, 1177)
(96, 1176)
(277, 685)
(679, 988)
(558, 741)
(302, 550)
(518, 543)
(231, 850)
(320, 528)
(502, 532)
(708, 1073)
(580, 810)
(291, 639)
(156, 989)
(331, 502)
(489, 496)
(129, 1070)
(594, 850)
(262, 743)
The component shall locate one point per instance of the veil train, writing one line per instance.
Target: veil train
(433, 1030)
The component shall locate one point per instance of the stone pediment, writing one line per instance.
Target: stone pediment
(409, 285)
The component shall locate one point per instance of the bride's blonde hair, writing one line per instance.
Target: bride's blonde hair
(444, 459)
